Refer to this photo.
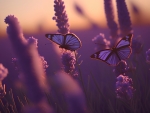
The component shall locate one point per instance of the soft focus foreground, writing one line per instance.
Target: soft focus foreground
(61, 81)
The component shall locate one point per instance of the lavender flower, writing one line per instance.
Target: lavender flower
(110, 18)
(71, 90)
(35, 41)
(15, 60)
(61, 17)
(124, 87)
(17, 68)
(3, 72)
(44, 63)
(101, 42)
(124, 18)
(120, 68)
(75, 74)
(15, 63)
(68, 61)
(29, 61)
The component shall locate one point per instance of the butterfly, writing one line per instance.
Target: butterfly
(68, 41)
(113, 56)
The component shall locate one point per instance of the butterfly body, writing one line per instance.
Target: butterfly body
(64, 46)
(68, 41)
(114, 55)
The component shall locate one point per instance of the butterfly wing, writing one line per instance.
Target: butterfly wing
(69, 41)
(125, 41)
(113, 56)
(72, 42)
(123, 49)
(124, 52)
(108, 56)
(56, 38)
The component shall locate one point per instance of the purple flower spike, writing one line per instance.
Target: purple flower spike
(71, 90)
(29, 62)
(18, 39)
(124, 87)
(124, 18)
(15, 63)
(68, 61)
(61, 17)
(120, 68)
(110, 18)
(44, 63)
(34, 40)
(27, 56)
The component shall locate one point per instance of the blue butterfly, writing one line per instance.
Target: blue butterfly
(68, 41)
(113, 56)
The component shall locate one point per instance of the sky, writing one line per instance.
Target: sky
(35, 14)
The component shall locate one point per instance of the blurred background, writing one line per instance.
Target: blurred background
(36, 16)
(86, 18)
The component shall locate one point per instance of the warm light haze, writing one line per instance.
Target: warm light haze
(35, 14)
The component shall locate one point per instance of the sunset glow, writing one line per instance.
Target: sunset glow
(34, 14)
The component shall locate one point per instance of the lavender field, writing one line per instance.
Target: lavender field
(37, 76)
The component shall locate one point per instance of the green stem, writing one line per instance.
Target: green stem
(82, 82)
